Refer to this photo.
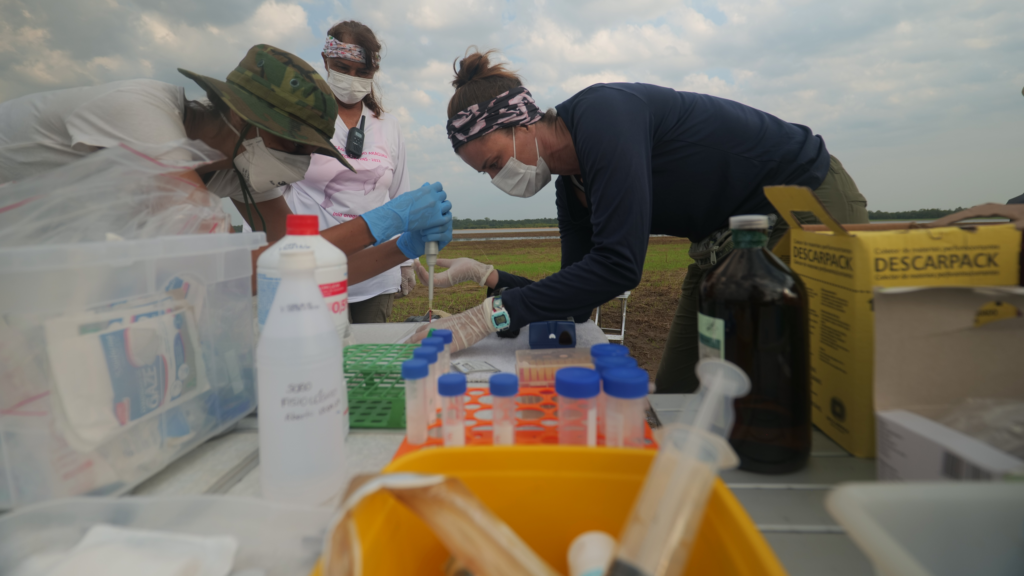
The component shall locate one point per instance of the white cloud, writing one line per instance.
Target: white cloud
(920, 99)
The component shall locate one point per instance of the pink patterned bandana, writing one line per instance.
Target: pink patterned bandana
(508, 109)
(352, 52)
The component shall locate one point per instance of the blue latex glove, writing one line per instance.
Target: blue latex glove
(419, 209)
(412, 243)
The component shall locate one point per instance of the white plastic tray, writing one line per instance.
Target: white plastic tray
(273, 539)
(935, 528)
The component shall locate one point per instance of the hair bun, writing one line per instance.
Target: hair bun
(477, 65)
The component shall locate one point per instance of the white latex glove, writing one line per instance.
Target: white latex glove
(467, 328)
(408, 280)
(458, 271)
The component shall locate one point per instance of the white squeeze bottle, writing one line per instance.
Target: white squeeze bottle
(301, 390)
(331, 271)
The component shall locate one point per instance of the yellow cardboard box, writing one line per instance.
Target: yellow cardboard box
(842, 266)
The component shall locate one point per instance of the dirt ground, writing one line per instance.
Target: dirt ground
(649, 310)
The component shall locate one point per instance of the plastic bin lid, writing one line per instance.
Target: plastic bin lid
(426, 353)
(434, 341)
(302, 225)
(625, 382)
(577, 382)
(443, 334)
(415, 369)
(600, 350)
(602, 363)
(453, 384)
(504, 384)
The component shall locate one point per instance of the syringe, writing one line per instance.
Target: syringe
(663, 523)
(431, 254)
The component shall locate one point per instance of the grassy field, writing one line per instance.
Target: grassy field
(650, 308)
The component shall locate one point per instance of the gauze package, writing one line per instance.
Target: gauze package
(116, 551)
(113, 369)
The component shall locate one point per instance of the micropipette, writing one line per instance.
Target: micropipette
(663, 523)
(431, 254)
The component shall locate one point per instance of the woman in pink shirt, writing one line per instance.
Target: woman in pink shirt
(334, 193)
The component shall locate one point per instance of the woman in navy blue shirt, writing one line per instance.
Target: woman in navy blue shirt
(632, 160)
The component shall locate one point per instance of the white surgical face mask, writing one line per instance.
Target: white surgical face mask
(348, 89)
(265, 169)
(521, 180)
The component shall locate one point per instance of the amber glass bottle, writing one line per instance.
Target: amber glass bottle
(753, 312)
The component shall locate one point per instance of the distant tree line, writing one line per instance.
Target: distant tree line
(921, 214)
(473, 224)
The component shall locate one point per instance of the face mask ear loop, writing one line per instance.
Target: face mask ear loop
(514, 143)
(246, 195)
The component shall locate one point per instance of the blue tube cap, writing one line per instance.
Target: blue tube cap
(625, 383)
(603, 363)
(577, 383)
(453, 384)
(601, 350)
(415, 369)
(427, 353)
(443, 334)
(504, 384)
(434, 341)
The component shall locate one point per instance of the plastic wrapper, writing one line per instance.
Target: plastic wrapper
(117, 193)
(996, 422)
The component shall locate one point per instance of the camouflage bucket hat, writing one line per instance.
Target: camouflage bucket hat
(280, 93)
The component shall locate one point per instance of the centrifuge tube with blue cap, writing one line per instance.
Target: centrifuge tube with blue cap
(452, 389)
(446, 336)
(577, 390)
(625, 390)
(416, 373)
(663, 523)
(504, 388)
(429, 355)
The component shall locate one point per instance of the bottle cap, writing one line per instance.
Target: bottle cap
(608, 350)
(601, 364)
(415, 369)
(453, 384)
(302, 225)
(443, 334)
(297, 259)
(749, 222)
(427, 353)
(504, 384)
(625, 382)
(577, 383)
(434, 341)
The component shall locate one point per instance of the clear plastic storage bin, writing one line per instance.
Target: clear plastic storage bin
(273, 539)
(117, 358)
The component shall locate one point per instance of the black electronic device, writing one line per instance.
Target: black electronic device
(354, 144)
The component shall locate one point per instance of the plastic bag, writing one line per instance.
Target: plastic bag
(116, 193)
(995, 421)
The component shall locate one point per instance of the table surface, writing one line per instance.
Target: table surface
(789, 509)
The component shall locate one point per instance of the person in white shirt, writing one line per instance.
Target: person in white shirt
(335, 194)
(271, 114)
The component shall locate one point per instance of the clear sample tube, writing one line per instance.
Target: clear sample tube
(446, 359)
(625, 390)
(416, 373)
(429, 355)
(603, 364)
(577, 390)
(504, 388)
(452, 389)
(438, 344)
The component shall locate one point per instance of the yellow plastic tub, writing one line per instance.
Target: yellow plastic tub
(549, 495)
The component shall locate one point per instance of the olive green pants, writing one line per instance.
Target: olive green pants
(372, 311)
(838, 193)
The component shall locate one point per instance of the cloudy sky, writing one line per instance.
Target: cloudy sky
(920, 99)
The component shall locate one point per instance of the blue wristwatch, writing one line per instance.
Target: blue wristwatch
(499, 316)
